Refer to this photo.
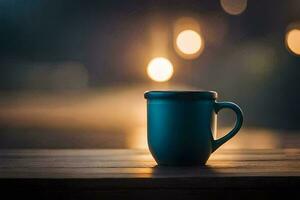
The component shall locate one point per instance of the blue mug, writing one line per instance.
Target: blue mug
(181, 125)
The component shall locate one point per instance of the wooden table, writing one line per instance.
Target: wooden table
(126, 174)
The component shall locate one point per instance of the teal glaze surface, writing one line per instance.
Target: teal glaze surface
(180, 126)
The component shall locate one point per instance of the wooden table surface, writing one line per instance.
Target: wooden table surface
(130, 173)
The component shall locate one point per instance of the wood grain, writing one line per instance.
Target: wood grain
(127, 174)
(139, 163)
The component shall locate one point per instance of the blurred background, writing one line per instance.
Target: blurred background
(73, 73)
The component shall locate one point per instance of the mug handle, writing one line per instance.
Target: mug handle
(238, 124)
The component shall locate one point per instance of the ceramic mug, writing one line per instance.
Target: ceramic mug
(181, 125)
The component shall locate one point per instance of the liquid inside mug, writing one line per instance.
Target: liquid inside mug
(181, 126)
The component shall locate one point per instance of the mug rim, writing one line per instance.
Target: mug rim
(180, 94)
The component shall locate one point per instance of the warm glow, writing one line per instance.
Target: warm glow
(137, 138)
(234, 7)
(189, 42)
(293, 41)
(160, 69)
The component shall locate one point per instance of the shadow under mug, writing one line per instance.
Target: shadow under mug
(181, 125)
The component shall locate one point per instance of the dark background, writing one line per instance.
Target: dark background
(55, 52)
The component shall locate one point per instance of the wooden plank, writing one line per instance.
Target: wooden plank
(127, 174)
(139, 163)
(89, 163)
(128, 153)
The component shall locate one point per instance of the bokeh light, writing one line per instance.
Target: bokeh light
(160, 69)
(292, 40)
(189, 42)
(234, 7)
